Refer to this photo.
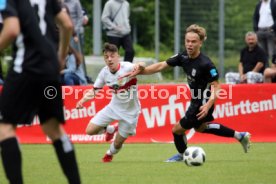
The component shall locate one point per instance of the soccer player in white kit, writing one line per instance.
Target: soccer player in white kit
(124, 105)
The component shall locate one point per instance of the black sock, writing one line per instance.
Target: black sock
(67, 159)
(180, 143)
(220, 130)
(11, 158)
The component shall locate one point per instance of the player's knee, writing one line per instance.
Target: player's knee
(177, 129)
(201, 128)
(90, 130)
(6, 131)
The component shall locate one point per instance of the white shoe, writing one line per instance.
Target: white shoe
(245, 141)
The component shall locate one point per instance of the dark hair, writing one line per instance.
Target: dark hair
(108, 47)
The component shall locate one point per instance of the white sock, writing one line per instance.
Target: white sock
(237, 135)
(110, 129)
(112, 150)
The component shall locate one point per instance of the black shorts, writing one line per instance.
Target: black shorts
(23, 96)
(190, 120)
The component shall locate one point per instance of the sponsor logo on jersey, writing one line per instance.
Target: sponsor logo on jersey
(213, 72)
(3, 4)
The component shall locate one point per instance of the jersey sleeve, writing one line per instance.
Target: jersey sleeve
(56, 7)
(99, 83)
(129, 66)
(211, 72)
(174, 60)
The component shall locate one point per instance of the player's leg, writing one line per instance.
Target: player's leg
(94, 129)
(16, 105)
(50, 112)
(110, 131)
(180, 140)
(114, 148)
(126, 128)
(221, 130)
(10, 153)
(100, 124)
(64, 149)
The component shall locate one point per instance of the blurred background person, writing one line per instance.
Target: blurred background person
(73, 73)
(270, 73)
(252, 63)
(115, 19)
(264, 24)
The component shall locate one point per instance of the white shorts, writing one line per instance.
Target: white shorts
(127, 123)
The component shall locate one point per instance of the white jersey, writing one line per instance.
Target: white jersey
(124, 91)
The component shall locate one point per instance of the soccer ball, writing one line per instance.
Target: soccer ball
(194, 156)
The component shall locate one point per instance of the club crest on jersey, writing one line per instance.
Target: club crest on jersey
(115, 86)
(193, 72)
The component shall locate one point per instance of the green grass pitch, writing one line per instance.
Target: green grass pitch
(144, 163)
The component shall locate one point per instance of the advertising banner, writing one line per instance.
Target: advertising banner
(244, 107)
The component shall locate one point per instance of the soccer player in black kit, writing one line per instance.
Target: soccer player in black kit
(31, 25)
(202, 75)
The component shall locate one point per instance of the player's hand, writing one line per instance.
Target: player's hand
(136, 70)
(79, 104)
(203, 111)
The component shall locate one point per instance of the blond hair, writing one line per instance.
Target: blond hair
(200, 31)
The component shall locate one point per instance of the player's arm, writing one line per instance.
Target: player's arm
(203, 110)
(142, 70)
(11, 29)
(154, 68)
(65, 27)
(89, 95)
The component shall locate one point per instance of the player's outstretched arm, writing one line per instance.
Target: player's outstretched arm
(154, 68)
(141, 70)
(87, 96)
(11, 30)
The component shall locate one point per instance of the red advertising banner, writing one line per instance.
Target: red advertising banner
(247, 107)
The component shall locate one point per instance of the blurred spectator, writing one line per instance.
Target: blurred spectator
(115, 19)
(85, 20)
(75, 11)
(270, 73)
(252, 61)
(264, 23)
(1, 54)
(73, 74)
(77, 42)
(85, 17)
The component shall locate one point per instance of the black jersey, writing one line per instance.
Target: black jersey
(249, 59)
(200, 71)
(37, 28)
